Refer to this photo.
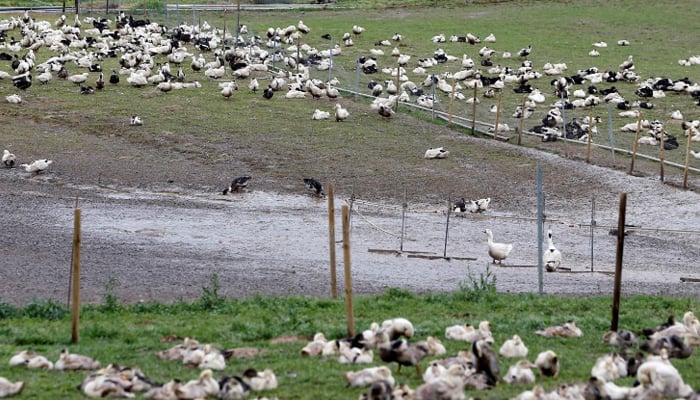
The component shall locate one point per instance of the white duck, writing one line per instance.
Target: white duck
(137, 79)
(520, 373)
(341, 113)
(215, 73)
(438, 152)
(253, 85)
(78, 78)
(14, 99)
(552, 256)
(319, 115)
(72, 361)
(37, 166)
(136, 121)
(31, 360)
(513, 347)
(8, 159)
(227, 90)
(497, 251)
(470, 334)
(203, 387)
(482, 204)
(8, 388)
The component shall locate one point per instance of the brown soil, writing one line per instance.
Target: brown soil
(155, 226)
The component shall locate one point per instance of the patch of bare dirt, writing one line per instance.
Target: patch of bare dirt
(155, 226)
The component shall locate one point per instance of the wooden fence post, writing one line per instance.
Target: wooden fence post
(76, 276)
(662, 154)
(540, 213)
(331, 240)
(398, 86)
(687, 161)
(348, 276)
(636, 142)
(447, 225)
(522, 119)
(452, 102)
(590, 137)
(618, 261)
(474, 111)
(498, 115)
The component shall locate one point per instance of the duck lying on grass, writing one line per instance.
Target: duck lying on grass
(438, 152)
(568, 329)
(8, 388)
(31, 360)
(71, 361)
(513, 348)
(368, 376)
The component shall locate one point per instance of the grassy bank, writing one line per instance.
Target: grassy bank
(131, 335)
(559, 32)
(248, 133)
(358, 4)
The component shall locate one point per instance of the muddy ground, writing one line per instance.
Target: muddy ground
(158, 229)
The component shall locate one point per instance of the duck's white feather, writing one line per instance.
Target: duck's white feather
(552, 256)
(37, 165)
(497, 251)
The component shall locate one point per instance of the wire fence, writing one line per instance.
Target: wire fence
(586, 247)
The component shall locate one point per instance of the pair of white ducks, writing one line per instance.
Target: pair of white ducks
(500, 251)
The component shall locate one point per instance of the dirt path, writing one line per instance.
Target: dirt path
(150, 243)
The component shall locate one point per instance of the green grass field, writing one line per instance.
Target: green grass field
(558, 32)
(131, 335)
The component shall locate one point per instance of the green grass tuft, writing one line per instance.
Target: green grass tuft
(132, 336)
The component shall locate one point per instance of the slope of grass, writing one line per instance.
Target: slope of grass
(560, 32)
(131, 335)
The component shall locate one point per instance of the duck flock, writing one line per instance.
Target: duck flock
(647, 356)
(150, 54)
(121, 381)
(153, 55)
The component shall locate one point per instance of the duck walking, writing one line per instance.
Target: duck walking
(497, 251)
(552, 256)
(341, 114)
(315, 186)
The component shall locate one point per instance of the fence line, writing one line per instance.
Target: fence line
(446, 116)
(246, 7)
(442, 114)
(375, 226)
(602, 146)
(480, 216)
